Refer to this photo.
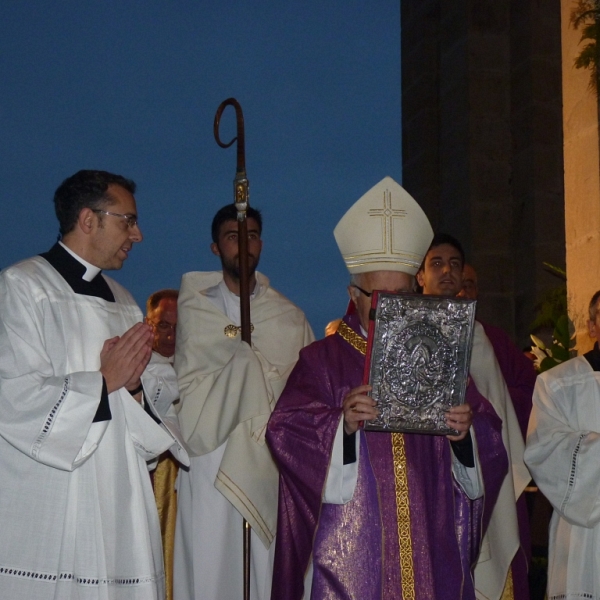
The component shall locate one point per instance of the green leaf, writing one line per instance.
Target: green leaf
(561, 331)
(559, 353)
(546, 364)
(555, 270)
(553, 304)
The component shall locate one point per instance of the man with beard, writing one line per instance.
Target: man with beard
(227, 391)
(501, 570)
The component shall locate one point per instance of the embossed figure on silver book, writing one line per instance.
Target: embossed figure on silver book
(419, 363)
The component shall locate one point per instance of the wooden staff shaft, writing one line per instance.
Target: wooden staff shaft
(241, 195)
(246, 337)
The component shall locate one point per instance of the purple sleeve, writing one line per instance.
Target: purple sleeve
(300, 434)
(490, 447)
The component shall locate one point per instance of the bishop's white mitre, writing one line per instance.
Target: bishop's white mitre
(384, 230)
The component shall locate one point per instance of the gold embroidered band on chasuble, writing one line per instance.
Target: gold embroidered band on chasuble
(401, 485)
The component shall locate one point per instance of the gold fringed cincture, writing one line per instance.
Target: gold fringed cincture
(165, 495)
(403, 516)
(356, 341)
(509, 588)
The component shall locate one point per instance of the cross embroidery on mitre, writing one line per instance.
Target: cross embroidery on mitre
(387, 214)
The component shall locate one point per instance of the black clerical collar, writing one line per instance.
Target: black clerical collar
(73, 271)
(593, 357)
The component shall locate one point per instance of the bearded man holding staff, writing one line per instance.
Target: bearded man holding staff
(79, 411)
(374, 515)
(228, 390)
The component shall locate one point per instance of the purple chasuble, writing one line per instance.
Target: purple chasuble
(409, 530)
(519, 374)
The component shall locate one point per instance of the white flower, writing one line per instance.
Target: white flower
(540, 355)
(536, 340)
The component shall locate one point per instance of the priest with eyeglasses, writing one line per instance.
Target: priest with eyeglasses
(80, 411)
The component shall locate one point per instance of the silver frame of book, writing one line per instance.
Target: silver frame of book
(419, 365)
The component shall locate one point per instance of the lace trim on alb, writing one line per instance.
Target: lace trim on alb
(572, 595)
(49, 421)
(89, 581)
(158, 392)
(571, 483)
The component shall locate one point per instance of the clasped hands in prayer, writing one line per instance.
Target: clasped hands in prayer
(124, 358)
(358, 406)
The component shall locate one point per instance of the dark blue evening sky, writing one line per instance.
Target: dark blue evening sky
(133, 86)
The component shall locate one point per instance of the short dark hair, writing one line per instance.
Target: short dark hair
(229, 213)
(85, 189)
(439, 239)
(593, 308)
(155, 298)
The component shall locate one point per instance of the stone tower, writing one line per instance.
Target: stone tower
(483, 141)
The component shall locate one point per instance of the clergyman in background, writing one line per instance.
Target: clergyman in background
(517, 369)
(563, 453)
(502, 565)
(161, 315)
(228, 390)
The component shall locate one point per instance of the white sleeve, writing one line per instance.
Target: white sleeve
(160, 385)
(469, 478)
(45, 413)
(341, 478)
(212, 368)
(564, 458)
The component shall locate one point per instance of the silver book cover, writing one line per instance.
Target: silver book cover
(420, 356)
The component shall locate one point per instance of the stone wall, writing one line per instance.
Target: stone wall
(482, 141)
(582, 182)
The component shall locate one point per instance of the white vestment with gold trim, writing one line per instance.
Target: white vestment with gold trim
(227, 393)
(501, 540)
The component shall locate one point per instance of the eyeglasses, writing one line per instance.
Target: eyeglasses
(164, 326)
(367, 294)
(131, 220)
